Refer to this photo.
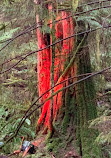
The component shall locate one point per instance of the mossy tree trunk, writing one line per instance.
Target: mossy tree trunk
(79, 101)
(86, 110)
(80, 106)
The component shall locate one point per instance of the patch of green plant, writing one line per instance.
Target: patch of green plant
(54, 144)
(8, 124)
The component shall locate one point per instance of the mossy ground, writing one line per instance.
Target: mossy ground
(60, 146)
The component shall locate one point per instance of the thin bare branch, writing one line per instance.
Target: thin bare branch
(95, 2)
(7, 61)
(30, 53)
(15, 37)
(74, 83)
(35, 25)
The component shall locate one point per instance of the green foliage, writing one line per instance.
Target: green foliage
(66, 119)
(89, 20)
(75, 4)
(8, 34)
(9, 122)
(55, 144)
(100, 123)
(103, 124)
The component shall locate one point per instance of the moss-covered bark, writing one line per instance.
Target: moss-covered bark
(86, 110)
(79, 101)
(80, 105)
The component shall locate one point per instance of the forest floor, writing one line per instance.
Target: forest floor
(42, 150)
(64, 145)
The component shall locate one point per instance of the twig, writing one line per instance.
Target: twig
(85, 4)
(50, 89)
(7, 61)
(30, 53)
(74, 83)
(22, 33)
(75, 15)
(95, 2)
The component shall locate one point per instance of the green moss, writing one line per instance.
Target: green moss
(54, 144)
(66, 119)
(86, 110)
(70, 110)
(89, 147)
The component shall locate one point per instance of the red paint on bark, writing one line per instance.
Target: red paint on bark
(63, 29)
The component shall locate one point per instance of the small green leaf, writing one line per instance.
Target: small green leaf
(28, 121)
(8, 34)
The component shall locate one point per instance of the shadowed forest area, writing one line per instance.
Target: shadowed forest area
(55, 78)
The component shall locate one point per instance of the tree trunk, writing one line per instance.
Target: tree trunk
(65, 60)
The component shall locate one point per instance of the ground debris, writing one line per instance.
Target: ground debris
(72, 154)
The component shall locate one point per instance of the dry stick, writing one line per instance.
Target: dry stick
(7, 61)
(30, 53)
(18, 56)
(92, 75)
(76, 14)
(41, 25)
(31, 28)
(3, 41)
(53, 38)
(108, 6)
(86, 74)
(26, 53)
(90, 3)
(52, 88)
(83, 79)
(22, 33)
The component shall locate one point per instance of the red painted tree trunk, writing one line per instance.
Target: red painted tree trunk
(43, 73)
(63, 29)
